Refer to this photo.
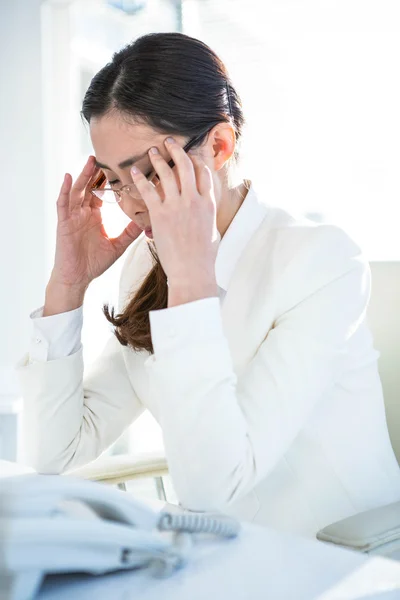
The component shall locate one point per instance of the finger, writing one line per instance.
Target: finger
(63, 198)
(76, 196)
(95, 202)
(165, 174)
(129, 235)
(184, 165)
(147, 190)
(91, 199)
(204, 179)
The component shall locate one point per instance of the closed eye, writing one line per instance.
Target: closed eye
(116, 181)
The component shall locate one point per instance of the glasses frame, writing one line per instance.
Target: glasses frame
(150, 176)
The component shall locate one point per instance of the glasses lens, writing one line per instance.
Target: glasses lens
(107, 195)
(132, 191)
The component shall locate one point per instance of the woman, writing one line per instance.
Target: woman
(239, 327)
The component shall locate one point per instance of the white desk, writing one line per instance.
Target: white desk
(261, 564)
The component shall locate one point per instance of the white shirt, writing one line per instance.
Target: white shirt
(270, 404)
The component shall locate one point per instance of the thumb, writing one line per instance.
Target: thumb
(125, 239)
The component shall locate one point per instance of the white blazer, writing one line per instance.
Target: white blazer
(270, 404)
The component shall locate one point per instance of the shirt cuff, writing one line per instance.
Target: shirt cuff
(189, 323)
(55, 336)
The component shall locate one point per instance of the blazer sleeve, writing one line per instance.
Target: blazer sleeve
(55, 336)
(72, 415)
(222, 434)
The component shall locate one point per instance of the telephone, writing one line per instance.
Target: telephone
(57, 524)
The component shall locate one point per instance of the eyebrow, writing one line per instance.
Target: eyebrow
(125, 163)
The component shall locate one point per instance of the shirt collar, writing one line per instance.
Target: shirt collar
(246, 221)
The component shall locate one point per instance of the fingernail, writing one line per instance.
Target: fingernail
(170, 140)
(154, 150)
(134, 170)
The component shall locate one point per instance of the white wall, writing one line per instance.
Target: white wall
(22, 239)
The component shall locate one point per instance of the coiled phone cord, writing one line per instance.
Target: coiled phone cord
(199, 523)
(183, 526)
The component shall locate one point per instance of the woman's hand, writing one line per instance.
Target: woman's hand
(183, 223)
(83, 249)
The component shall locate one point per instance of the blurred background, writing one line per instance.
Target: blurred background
(320, 85)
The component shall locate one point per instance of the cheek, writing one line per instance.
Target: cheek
(131, 206)
(128, 209)
(125, 209)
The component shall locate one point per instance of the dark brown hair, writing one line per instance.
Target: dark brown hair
(177, 85)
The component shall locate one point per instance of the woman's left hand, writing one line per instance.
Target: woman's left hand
(183, 222)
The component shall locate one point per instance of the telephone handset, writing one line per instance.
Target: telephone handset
(58, 524)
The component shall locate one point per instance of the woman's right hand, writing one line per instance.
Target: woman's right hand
(83, 249)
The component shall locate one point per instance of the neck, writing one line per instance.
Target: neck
(231, 199)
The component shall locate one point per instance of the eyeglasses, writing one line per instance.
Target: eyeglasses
(113, 194)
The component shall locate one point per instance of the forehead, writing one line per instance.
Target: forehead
(115, 139)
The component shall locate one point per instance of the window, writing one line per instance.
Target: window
(321, 95)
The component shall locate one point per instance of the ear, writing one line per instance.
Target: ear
(221, 144)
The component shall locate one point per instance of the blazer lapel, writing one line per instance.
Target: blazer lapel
(244, 300)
